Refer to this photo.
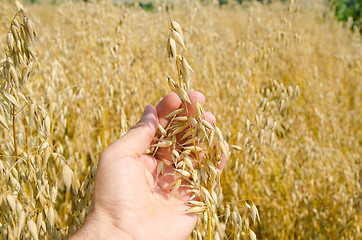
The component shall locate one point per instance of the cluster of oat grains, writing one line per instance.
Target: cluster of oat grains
(197, 148)
(27, 158)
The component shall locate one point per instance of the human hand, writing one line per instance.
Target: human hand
(129, 200)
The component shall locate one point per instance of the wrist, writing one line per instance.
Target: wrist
(98, 227)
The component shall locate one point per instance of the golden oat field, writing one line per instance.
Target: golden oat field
(284, 81)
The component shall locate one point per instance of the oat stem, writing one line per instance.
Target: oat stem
(236, 128)
(209, 235)
(14, 132)
(192, 130)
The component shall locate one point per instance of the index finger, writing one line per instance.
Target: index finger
(167, 105)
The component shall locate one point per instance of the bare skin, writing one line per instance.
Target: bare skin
(129, 202)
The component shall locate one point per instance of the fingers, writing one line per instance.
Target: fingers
(194, 96)
(165, 153)
(210, 118)
(138, 139)
(172, 102)
(167, 105)
(221, 165)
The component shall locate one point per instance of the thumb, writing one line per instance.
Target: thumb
(138, 139)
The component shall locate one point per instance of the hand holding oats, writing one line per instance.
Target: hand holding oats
(132, 199)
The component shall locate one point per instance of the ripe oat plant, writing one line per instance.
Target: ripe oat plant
(282, 79)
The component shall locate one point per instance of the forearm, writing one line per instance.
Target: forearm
(95, 228)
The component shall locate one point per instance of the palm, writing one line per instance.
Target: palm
(138, 205)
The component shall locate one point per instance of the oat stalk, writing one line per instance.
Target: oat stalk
(198, 138)
(14, 132)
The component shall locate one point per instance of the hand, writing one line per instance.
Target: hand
(128, 202)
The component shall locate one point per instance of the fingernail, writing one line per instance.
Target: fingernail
(147, 110)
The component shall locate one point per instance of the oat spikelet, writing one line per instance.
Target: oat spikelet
(67, 176)
(21, 223)
(32, 229)
(11, 202)
(50, 216)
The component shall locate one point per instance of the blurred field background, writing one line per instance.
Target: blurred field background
(283, 80)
